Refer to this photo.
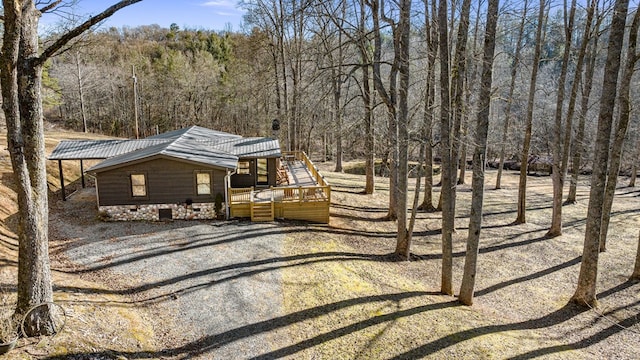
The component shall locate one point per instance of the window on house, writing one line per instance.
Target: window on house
(203, 183)
(138, 185)
(244, 167)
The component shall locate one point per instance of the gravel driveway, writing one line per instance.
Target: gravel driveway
(221, 279)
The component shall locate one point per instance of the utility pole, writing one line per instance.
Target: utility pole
(135, 99)
(81, 93)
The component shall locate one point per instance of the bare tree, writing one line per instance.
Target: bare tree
(578, 141)
(512, 87)
(458, 75)
(585, 293)
(389, 95)
(447, 181)
(431, 34)
(363, 47)
(557, 174)
(524, 159)
(403, 242)
(624, 115)
(479, 153)
(21, 79)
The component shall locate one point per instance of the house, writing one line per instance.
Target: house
(175, 175)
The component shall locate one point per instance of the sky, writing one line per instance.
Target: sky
(192, 14)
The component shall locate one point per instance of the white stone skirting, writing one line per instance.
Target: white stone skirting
(151, 212)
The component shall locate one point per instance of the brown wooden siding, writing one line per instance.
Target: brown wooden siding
(249, 180)
(167, 181)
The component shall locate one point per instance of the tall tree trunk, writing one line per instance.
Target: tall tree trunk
(446, 191)
(363, 47)
(557, 174)
(368, 123)
(477, 184)
(21, 82)
(431, 39)
(278, 10)
(403, 243)
(624, 114)
(458, 72)
(22, 103)
(512, 87)
(83, 111)
(337, 113)
(586, 290)
(469, 88)
(389, 97)
(578, 142)
(524, 159)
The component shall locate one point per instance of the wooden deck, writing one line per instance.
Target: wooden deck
(306, 197)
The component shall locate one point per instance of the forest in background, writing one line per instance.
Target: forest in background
(306, 71)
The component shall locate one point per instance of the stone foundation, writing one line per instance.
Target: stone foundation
(151, 212)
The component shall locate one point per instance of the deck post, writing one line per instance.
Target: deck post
(64, 197)
(82, 173)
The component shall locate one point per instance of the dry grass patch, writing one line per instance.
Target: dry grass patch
(359, 304)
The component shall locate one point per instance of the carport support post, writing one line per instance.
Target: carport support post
(82, 173)
(64, 198)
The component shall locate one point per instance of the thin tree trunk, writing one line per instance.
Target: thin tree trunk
(634, 165)
(621, 131)
(337, 113)
(458, 72)
(512, 86)
(524, 159)
(636, 268)
(363, 47)
(578, 143)
(368, 123)
(83, 112)
(447, 177)
(403, 243)
(469, 88)
(557, 174)
(477, 184)
(416, 196)
(389, 97)
(586, 290)
(431, 39)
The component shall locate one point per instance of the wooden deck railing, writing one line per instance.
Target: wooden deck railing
(302, 156)
(309, 203)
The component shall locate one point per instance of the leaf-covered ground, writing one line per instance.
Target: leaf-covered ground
(355, 302)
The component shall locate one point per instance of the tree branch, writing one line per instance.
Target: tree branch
(77, 31)
(50, 6)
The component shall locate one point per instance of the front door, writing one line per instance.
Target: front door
(262, 172)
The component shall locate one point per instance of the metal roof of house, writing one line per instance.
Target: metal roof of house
(194, 132)
(195, 144)
(180, 149)
(98, 149)
(250, 147)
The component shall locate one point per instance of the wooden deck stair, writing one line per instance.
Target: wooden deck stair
(262, 211)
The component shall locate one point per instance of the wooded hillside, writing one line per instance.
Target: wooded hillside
(307, 72)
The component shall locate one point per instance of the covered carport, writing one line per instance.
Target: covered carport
(83, 150)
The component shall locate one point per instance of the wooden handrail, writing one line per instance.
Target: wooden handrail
(302, 156)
